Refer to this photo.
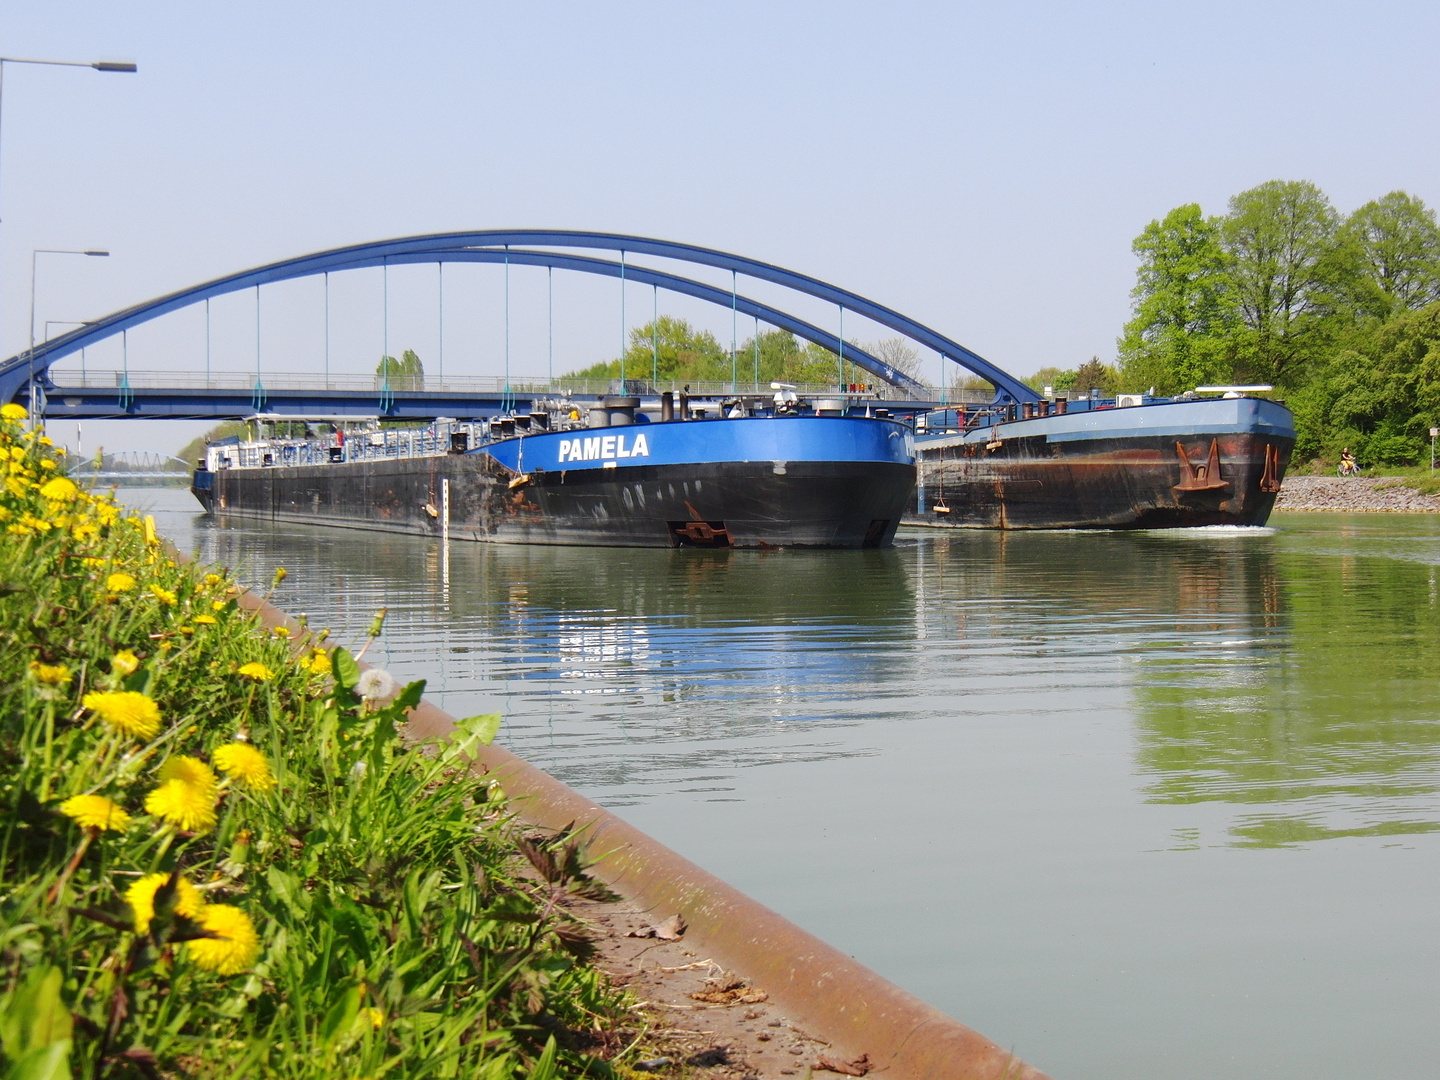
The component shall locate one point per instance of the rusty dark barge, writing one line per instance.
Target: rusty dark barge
(1151, 464)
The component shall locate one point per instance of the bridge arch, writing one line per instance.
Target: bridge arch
(498, 245)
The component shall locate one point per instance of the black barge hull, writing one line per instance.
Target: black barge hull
(726, 504)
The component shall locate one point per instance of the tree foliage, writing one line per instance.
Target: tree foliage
(1341, 313)
(671, 350)
(407, 373)
(1186, 311)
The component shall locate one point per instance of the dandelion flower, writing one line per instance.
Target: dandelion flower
(213, 579)
(189, 808)
(373, 1016)
(241, 761)
(205, 620)
(218, 605)
(188, 770)
(54, 674)
(233, 946)
(281, 631)
(319, 662)
(165, 596)
(59, 489)
(125, 710)
(375, 684)
(119, 582)
(95, 812)
(257, 671)
(141, 898)
(11, 411)
(124, 663)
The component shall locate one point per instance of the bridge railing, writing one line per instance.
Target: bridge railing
(472, 385)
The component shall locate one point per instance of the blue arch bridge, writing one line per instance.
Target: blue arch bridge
(32, 379)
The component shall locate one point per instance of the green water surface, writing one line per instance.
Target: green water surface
(1134, 805)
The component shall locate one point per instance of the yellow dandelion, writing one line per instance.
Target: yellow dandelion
(206, 620)
(93, 562)
(96, 812)
(189, 808)
(165, 596)
(46, 463)
(281, 631)
(86, 530)
(218, 605)
(212, 580)
(11, 411)
(59, 489)
(119, 582)
(124, 663)
(233, 944)
(125, 710)
(373, 1016)
(189, 770)
(319, 662)
(45, 440)
(54, 674)
(141, 898)
(253, 670)
(241, 761)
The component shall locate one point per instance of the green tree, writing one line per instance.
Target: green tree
(1378, 397)
(407, 373)
(1093, 375)
(1281, 240)
(1059, 380)
(1182, 333)
(1394, 246)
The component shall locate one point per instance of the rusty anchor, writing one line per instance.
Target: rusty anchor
(1270, 478)
(1200, 477)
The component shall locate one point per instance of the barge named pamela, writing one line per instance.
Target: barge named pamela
(740, 474)
(1132, 462)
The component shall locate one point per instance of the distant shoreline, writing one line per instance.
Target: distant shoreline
(1354, 494)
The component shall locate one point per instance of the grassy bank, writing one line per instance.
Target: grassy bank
(218, 856)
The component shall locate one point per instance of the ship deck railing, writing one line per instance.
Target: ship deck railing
(479, 385)
(433, 441)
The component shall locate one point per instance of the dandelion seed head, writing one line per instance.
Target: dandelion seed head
(376, 684)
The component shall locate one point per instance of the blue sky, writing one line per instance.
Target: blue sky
(982, 168)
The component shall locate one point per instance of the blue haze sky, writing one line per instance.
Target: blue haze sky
(983, 168)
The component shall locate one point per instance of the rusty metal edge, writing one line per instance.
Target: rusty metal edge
(827, 992)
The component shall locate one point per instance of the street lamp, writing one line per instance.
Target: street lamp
(98, 65)
(34, 261)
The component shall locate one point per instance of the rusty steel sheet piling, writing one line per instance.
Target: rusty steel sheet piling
(838, 999)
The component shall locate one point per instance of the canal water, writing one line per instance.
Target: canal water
(1135, 805)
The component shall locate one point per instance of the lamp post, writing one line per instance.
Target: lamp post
(98, 65)
(30, 356)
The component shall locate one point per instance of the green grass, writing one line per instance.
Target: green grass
(358, 915)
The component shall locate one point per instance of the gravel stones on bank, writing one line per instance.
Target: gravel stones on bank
(1368, 494)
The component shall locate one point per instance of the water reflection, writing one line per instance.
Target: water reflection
(592, 653)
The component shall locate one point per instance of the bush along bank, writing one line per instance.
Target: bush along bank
(218, 857)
